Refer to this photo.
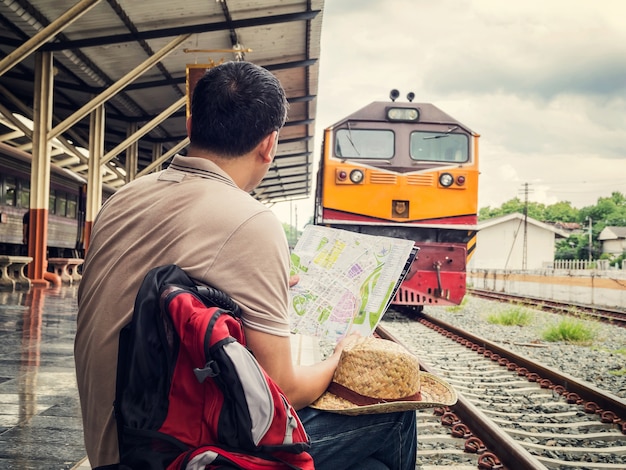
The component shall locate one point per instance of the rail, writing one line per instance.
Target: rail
(529, 415)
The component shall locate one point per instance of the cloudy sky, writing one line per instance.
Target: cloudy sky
(542, 82)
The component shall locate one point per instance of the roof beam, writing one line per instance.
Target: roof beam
(289, 65)
(291, 155)
(163, 158)
(281, 180)
(143, 131)
(84, 88)
(295, 140)
(115, 88)
(301, 122)
(192, 29)
(45, 34)
(266, 195)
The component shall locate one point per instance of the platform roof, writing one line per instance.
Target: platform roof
(112, 39)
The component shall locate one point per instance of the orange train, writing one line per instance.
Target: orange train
(405, 170)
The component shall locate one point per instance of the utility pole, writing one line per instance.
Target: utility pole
(295, 240)
(291, 242)
(590, 243)
(525, 241)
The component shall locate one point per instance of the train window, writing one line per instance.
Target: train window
(52, 201)
(61, 204)
(71, 206)
(364, 143)
(9, 197)
(24, 194)
(439, 147)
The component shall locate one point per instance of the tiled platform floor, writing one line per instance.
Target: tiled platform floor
(40, 426)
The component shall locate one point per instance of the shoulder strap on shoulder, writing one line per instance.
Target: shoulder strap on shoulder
(212, 296)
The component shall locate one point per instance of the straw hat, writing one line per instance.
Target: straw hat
(379, 376)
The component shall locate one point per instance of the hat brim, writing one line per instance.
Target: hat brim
(434, 392)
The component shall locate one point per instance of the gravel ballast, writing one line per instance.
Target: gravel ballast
(601, 362)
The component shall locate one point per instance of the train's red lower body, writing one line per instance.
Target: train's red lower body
(436, 277)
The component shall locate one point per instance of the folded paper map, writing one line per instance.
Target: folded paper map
(347, 280)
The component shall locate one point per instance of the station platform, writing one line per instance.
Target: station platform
(40, 423)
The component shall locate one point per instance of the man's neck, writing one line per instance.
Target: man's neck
(237, 168)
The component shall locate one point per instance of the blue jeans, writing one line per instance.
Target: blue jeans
(366, 442)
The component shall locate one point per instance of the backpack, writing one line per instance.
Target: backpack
(189, 394)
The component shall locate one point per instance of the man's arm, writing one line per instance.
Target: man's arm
(301, 384)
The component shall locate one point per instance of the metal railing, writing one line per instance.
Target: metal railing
(579, 264)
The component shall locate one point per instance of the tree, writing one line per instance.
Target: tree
(569, 248)
(561, 212)
(536, 210)
(576, 246)
(292, 234)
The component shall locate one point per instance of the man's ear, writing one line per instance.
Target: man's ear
(267, 147)
(188, 124)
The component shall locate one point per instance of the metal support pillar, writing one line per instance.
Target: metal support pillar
(170, 153)
(28, 112)
(157, 151)
(132, 153)
(40, 171)
(94, 173)
(137, 133)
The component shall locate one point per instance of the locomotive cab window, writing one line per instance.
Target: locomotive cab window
(364, 143)
(439, 147)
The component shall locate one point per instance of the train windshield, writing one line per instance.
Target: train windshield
(439, 147)
(364, 143)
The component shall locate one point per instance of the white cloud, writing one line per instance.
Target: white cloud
(544, 83)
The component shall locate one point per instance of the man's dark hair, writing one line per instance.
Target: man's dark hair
(234, 106)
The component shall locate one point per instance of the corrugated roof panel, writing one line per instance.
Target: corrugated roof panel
(119, 35)
(158, 14)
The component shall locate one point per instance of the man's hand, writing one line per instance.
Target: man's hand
(293, 280)
(343, 342)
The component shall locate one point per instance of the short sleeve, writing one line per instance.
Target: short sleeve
(253, 268)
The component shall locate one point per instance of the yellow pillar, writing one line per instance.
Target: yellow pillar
(40, 171)
(94, 172)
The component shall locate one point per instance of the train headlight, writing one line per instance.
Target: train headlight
(403, 114)
(446, 179)
(356, 176)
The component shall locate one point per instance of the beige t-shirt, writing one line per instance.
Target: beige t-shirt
(192, 215)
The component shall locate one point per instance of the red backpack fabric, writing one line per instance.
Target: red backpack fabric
(189, 394)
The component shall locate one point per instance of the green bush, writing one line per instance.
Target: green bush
(516, 315)
(571, 331)
(458, 308)
(618, 373)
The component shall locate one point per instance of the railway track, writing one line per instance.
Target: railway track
(610, 315)
(512, 413)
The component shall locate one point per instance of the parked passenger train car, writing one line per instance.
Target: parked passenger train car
(66, 212)
(406, 170)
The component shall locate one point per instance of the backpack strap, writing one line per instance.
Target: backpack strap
(120, 377)
(212, 296)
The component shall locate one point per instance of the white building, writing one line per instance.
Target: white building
(613, 240)
(504, 242)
